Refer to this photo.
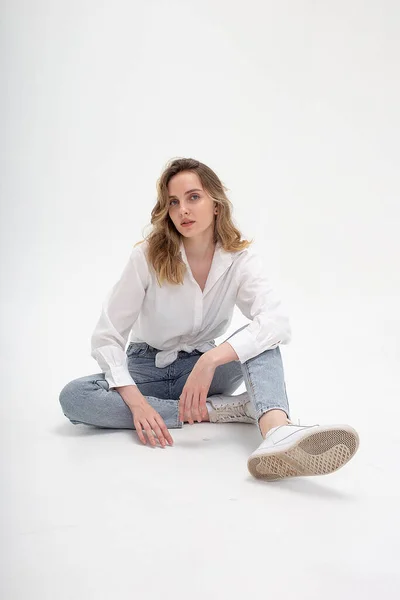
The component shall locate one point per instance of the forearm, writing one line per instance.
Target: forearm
(131, 395)
(221, 354)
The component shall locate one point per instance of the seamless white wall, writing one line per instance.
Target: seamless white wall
(295, 105)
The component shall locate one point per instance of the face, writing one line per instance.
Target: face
(189, 201)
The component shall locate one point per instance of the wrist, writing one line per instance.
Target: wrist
(136, 400)
(221, 354)
(210, 358)
(132, 396)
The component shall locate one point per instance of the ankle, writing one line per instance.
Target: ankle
(272, 418)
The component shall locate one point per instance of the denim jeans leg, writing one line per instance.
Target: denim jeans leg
(265, 383)
(88, 400)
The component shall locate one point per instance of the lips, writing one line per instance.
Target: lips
(186, 222)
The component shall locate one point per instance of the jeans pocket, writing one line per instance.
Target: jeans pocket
(137, 349)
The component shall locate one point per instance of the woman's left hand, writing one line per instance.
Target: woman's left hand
(192, 401)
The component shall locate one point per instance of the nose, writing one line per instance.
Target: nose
(183, 210)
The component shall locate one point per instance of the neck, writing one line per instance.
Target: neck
(199, 247)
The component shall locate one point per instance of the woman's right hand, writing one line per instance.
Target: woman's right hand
(147, 418)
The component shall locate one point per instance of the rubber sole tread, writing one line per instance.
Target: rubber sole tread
(319, 453)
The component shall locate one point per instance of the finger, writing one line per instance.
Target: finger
(195, 408)
(158, 433)
(149, 434)
(182, 406)
(139, 431)
(188, 408)
(164, 429)
(203, 404)
(203, 409)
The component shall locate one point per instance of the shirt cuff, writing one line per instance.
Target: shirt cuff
(245, 346)
(118, 376)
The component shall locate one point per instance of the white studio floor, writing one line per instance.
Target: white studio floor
(90, 513)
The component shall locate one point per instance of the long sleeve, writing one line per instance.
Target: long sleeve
(257, 301)
(119, 311)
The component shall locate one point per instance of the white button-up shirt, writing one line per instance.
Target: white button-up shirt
(183, 317)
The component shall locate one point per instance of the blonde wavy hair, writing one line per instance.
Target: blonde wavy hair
(164, 239)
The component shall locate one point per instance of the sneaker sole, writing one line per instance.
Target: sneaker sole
(317, 453)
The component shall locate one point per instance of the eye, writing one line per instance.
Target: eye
(192, 196)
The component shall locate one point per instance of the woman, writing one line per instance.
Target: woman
(175, 295)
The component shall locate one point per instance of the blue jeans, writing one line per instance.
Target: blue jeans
(89, 400)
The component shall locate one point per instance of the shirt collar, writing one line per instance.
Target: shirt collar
(222, 260)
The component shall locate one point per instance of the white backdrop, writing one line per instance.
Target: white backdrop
(295, 105)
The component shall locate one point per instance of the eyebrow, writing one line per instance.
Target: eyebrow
(188, 192)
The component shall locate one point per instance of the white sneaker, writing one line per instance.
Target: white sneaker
(295, 450)
(229, 409)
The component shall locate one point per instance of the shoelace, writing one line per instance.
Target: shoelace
(232, 410)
